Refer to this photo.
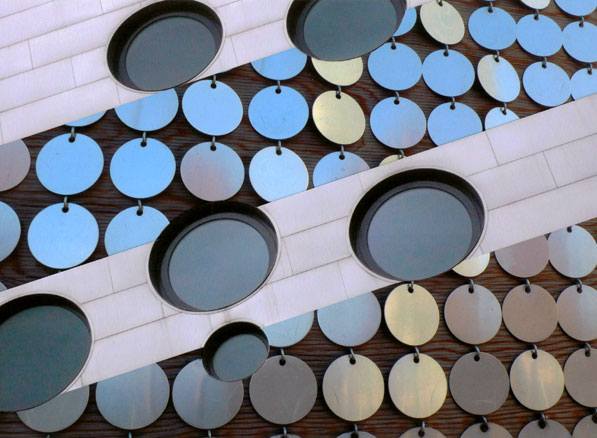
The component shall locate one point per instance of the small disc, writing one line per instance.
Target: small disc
(492, 28)
(552, 429)
(340, 119)
(284, 390)
(494, 431)
(539, 37)
(473, 266)
(408, 22)
(353, 391)
(389, 159)
(287, 333)
(583, 84)
(580, 376)
(429, 433)
(361, 433)
(412, 317)
(276, 176)
(342, 73)
(10, 230)
(572, 253)
(530, 316)
(86, 121)
(398, 125)
(473, 318)
(448, 76)
(337, 165)
(129, 229)
(576, 312)
(580, 41)
(150, 113)
(60, 239)
(442, 22)
(278, 113)
(15, 162)
(396, 66)
(212, 110)
(498, 78)
(67, 168)
(537, 383)
(446, 124)
(576, 7)
(281, 66)
(352, 322)
(525, 259)
(496, 117)
(548, 86)
(585, 428)
(536, 4)
(212, 172)
(142, 171)
(418, 388)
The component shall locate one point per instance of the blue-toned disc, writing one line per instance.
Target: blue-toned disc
(408, 22)
(398, 124)
(335, 166)
(10, 230)
(133, 227)
(498, 78)
(578, 8)
(150, 113)
(497, 116)
(547, 85)
(281, 66)
(395, 68)
(212, 110)
(286, 333)
(62, 238)
(446, 124)
(449, 76)
(493, 29)
(580, 41)
(539, 37)
(86, 121)
(142, 171)
(583, 84)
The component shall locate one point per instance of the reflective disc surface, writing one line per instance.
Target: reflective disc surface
(525, 259)
(539, 37)
(281, 66)
(429, 433)
(443, 23)
(576, 7)
(150, 113)
(473, 266)
(398, 125)
(361, 433)
(407, 23)
(548, 86)
(340, 119)
(286, 333)
(572, 253)
(446, 124)
(397, 68)
(494, 431)
(580, 42)
(496, 117)
(536, 4)
(493, 29)
(448, 76)
(342, 73)
(15, 162)
(585, 428)
(498, 78)
(576, 312)
(335, 166)
(580, 377)
(552, 429)
(128, 229)
(583, 84)
(86, 121)
(10, 230)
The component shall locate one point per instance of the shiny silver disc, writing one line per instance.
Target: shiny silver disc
(583, 83)
(286, 333)
(572, 251)
(150, 113)
(86, 121)
(337, 165)
(578, 8)
(552, 429)
(15, 162)
(497, 116)
(398, 123)
(446, 124)
(498, 78)
(525, 259)
(429, 433)
(580, 41)
(548, 86)
(361, 433)
(539, 37)
(585, 428)
(395, 66)
(448, 76)
(281, 66)
(576, 312)
(133, 227)
(494, 431)
(493, 28)
(10, 230)
(408, 22)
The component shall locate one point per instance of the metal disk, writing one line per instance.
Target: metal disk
(142, 171)
(133, 227)
(361, 434)
(412, 317)
(86, 121)
(342, 73)
(580, 41)
(407, 23)
(352, 322)
(536, 4)
(338, 117)
(576, 312)
(572, 251)
(492, 28)
(150, 113)
(389, 159)
(580, 376)
(442, 22)
(2, 287)
(135, 399)
(62, 239)
(448, 73)
(337, 165)
(68, 168)
(59, 413)
(398, 123)
(530, 316)
(278, 112)
(395, 66)
(552, 429)
(353, 389)
(583, 83)
(281, 66)
(15, 162)
(212, 108)
(525, 259)
(496, 117)
(447, 124)
(284, 390)
(203, 401)
(473, 317)
(577, 8)
(212, 171)
(494, 431)
(473, 266)
(416, 431)
(10, 230)
(498, 78)
(275, 176)
(585, 428)
(537, 383)
(548, 86)
(286, 333)
(479, 383)
(539, 36)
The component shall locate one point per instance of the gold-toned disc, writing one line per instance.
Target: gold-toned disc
(473, 266)
(580, 375)
(429, 433)
(389, 159)
(552, 429)
(494, 431)
(418, 388)
(353, 391)
(343, 73)
(338, 117)
(412, 317)
(530, 316)
(537, 383)
(577, 312)
(536, 4)
(585, 428)
(442, 22)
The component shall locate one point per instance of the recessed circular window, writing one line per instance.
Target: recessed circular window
(44, 343)
(164, 45)
(335, 30)
(417, 224)
(213, 256)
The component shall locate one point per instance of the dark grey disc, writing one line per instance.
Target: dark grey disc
(129, 229)
(578, 8)
(552, 429)
(86, 121)
(281, 66)
(337, 165)
(585, 428)
(583, 83)
(498, 78)
(408, 22)
(286, 333)
(580, 41)
(395, 66)
(398, 124)
(496, 117)
(448, 76)
(10, 230)
(539, 37)
(446, 124)
(548, 86)
(493, 29)
(150, 113)
(278, 113)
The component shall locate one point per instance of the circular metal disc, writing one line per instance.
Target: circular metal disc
(203, 401)
(361, 433)
(493, 29)
(389, 159)
(494, 431)
(212, 111)
(142, 171)
(15, 162)
(61, 240)
(429, 433)
(572, 253)
(448, 76)
(342, 73)
(69, 168)
(284, 390)
(577, 8)
(128, 229)
(286, 333)
(340, 120)
(537, 383)
(443, 23)
(498, 78)
(398, 125)
(536, 4)
(548, 86)
(479, 383)
(583, 84)
(10, 230)
(552, 429)
(576, 313)
(150, 113)
(580, 376)
(580, 41)
(352, 322)
(276, 176)
(473, 318)
(525, 259)
(585, 428)
(135, 399)
(539, 37)
(446, 124)
(353, 391)
(278, 113)
(212, 172)
(2, 287)
(412, 317)
(281, 66)
(530, 316)
(337, 165)
(496, 117)
(395, 68)
(407, 23)
(86, 121)
(473, 266)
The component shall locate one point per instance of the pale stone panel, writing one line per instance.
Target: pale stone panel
(90, 66)
(9, 7)
(261, 42)
(573, 161)
(187, 332)
(15, 59)
(249, 14)
(283, 268)
(111, 5)
(357, 280)
(129, 268)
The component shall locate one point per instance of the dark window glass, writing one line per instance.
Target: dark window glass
(239, 357)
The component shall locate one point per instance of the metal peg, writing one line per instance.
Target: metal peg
(279, 148)
(353, 359)
(534, 351)
(73, 134)
(422, 429)
(477, 353)
(471, 285)
(283, 357)
(587, 349)
(417, 355)
(140, 208)
(527, 285)
(213, 82)
(579, 285)
(542, 420)
(339, 92)
(342, 156)
(144, 139)
(65, 207)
